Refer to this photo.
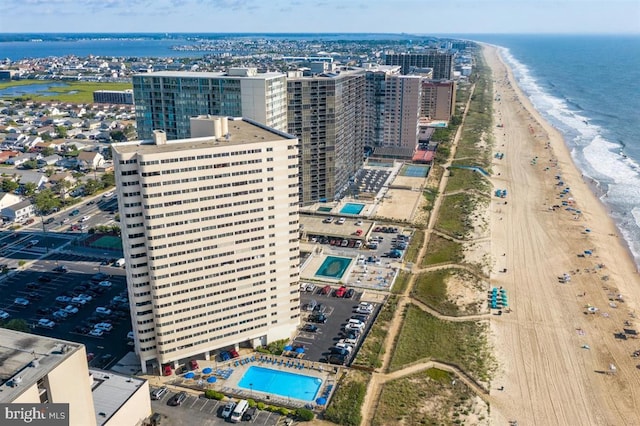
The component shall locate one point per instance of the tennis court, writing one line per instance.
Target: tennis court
(411, 170)
(105, 242)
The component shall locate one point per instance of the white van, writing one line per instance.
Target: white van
(239, 411)
(119, 263)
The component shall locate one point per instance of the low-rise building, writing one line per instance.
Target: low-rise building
(18, 212)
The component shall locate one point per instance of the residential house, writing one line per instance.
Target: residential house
(50, 160)
(63, 180)
(18, 212)
(21, 158)
(5, 155)
(8, 199)
(38, 179)
(90, 160)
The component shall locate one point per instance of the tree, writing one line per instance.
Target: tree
(61, 131)
(91, 186)
(48, 151)
(9, 185)
(17, 324)
(46, 201)
(31, 164)
(50, 171)
(118, 136)
(108, 180)
(30, 189)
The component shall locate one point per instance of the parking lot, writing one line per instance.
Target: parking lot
(197, 410)
(338, 311)
(40, 286)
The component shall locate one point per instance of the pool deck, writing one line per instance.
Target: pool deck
(228, 384)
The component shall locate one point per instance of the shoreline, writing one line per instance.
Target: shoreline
(553, 357)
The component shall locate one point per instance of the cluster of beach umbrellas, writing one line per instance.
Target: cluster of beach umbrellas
(207, 370)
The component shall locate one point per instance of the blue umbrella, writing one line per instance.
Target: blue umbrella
(321, 401)
(211, 379)
(300, 350)
(288, 348)
(207, 370)
(189, 375)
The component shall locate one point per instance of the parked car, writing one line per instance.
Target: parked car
(21, 301)
(75, 212)
(44, 279)
(310, 328)
(250, 414)
(106, 284)
(4, 315)
(178, 399)
(49, 220)
(63, 299)
(60, 314)
(325, 290)
(349, 294)
(104, 326)
(228, 409)
(96, 332)
(46, 323)
(328, 219)
(157, 394)
(319, 319)
(340, 292)
(103, 311)
(70, 309)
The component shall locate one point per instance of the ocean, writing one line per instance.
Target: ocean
(584, 85)
(587, 87)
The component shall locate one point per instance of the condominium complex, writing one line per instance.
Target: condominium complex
(402, 109)
(375, 91)
(166, 100)
(326, 112)
(438, 99)
(210, 234)
(441, 62)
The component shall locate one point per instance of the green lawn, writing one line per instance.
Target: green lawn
(442, 250)
(454, 214)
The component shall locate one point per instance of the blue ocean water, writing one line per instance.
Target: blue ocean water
(587, 87)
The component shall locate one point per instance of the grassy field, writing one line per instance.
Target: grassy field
(454, 215)
(411, 254)
(372, 349)
(346, 402)
(435, 399)
(466, 179)
(431, 288)
(77, 92)
(442, 250)
(401, 282)
(425, 337)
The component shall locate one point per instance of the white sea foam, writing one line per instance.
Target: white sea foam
(596, 157)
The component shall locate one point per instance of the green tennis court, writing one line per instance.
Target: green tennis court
(106, 242)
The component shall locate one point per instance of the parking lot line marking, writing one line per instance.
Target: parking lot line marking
(194, 403)
(215, 405)
(203, 405)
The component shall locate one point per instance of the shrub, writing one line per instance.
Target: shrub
(211, 394)
(282, 410)
(251, 402)
(305, 414)
(261, 405)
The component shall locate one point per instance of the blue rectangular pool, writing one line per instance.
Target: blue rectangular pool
(352, 208)
(334, 267)
(282, 383)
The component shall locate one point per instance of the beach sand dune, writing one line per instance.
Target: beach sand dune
(554, 356)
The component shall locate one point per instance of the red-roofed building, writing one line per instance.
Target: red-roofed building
(423, 157)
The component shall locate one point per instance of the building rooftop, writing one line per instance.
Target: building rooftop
(241, 131)
(110, 392)
(209, 74)
(26, 358)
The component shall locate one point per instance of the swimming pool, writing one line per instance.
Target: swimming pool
(352, 208)
(334, 267)
(283, 383)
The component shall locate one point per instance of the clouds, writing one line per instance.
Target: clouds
(410, 16)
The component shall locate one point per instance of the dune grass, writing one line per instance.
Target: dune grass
(442, 250)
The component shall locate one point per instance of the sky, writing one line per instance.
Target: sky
(323, 16)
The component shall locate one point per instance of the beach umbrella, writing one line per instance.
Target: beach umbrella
(189, 375)
(321, 401)
(288, 348)
(300, 350)
(211, 379)
(207, 371)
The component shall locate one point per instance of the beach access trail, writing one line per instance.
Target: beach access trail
(548, 377)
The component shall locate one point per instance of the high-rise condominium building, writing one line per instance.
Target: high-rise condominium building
(375, 91)
(326, 112)
(441, 62)
(402, 110)
(210, 235)
(166, 100)
(438, 99)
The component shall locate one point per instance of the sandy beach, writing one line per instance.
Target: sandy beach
(555, 356)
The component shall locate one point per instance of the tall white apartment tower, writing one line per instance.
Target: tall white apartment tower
(210, 235)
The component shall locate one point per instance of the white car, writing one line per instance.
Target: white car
(79, 301)
(85, 218)
(359, 223)
(70, 309)
(348, 341)
(103, 310)
(328, 219)
(85, 297)
(21, 301)
(352, 327)
(105, 284)
(60, 314)
(96, 332)
(130, 335)
(344, 346)
(341, 221)
(104, 326)
(107, 194)
(120, 299)
(47, 323)
(4, 315)
(63, 299)
(362, 310)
